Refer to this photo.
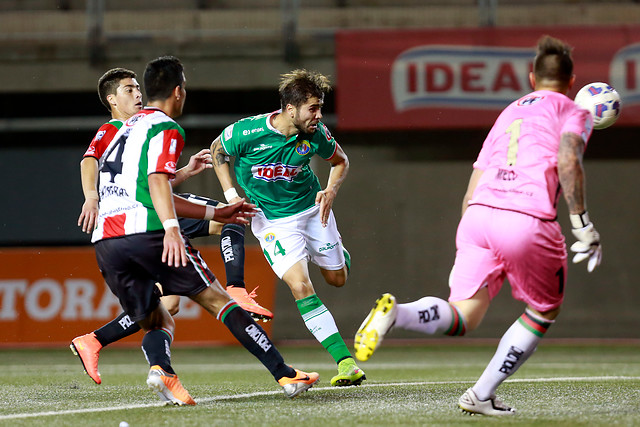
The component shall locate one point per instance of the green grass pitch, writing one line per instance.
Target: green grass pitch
(565, 384)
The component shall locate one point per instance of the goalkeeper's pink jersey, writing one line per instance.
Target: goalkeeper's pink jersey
(519, 157)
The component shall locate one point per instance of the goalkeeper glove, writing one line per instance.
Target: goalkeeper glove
(588, 244)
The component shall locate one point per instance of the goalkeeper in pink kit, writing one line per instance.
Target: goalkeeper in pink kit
(509, 230)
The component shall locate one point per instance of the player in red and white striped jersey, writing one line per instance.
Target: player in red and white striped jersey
(120, 93)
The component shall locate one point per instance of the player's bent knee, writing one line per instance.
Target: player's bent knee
(213, 298)
(338, 282)
(215, 228)
(301, 290)
(547, 315)
(171, 303)
(158, 318)
(337, 278)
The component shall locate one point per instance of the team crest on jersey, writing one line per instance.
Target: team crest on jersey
(228, 132)
(303, 147)
(529, 100)
(269, 237)
(170, 167)
(132, 121)
(327, 134)
(99, 135)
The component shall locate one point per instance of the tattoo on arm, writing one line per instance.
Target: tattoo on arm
(219, 156)
(571, 173)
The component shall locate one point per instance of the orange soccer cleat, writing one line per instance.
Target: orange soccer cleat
(87, 348)
(247, 302)
(168, 387)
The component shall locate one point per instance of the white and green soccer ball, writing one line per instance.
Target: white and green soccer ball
(602, 101)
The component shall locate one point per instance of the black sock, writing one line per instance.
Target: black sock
(120, 327)
(232, 251)
(155, 345)
(255, 339)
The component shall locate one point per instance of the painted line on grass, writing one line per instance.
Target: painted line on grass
(275, 392)
(228, 367)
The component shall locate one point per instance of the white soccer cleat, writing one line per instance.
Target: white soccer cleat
(375, 326)
(470, 404)
(302, 382)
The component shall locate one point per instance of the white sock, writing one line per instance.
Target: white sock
(517, 344)
(430, 315)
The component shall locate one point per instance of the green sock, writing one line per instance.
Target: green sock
(320, 323)
(347, 259)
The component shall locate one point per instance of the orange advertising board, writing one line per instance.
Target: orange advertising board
(48, 296)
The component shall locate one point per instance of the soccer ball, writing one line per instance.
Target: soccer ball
(602, 101)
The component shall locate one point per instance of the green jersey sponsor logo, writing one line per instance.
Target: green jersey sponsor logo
(327, 247)
(275, 172)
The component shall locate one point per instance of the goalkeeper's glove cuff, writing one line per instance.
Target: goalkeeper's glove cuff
(579, 220)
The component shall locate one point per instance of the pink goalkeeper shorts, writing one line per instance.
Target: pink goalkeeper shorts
(494, 244)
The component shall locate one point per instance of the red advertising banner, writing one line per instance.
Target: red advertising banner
(462, 78)
(49, 296)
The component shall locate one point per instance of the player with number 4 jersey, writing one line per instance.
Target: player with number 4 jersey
(156, 142)
(120, 93)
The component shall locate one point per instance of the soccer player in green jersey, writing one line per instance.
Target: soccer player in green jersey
(295, 223)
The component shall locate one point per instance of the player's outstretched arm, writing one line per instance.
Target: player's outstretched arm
(89, 178)
(337, 175)
(571, 172)
(197, 163)
(174, 252)
(572, 179)
(235, 213)
(222, 168)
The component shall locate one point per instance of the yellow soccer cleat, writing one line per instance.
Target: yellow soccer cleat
(375, 326)
(348, 374)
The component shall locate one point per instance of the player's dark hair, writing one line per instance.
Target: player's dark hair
(109, 82)
(161, 76)
(297, 86)
(553, 61)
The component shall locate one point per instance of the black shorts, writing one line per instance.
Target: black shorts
(131, 266)
(195, 227)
